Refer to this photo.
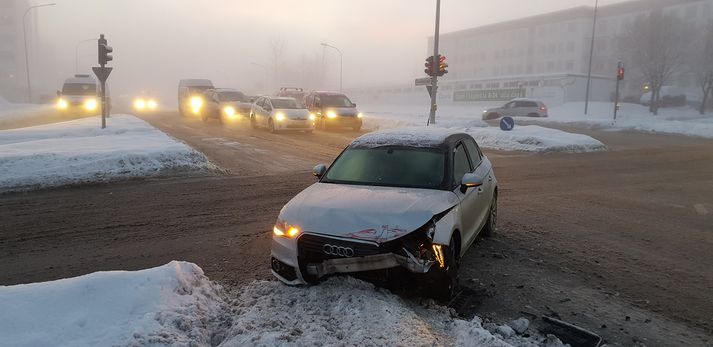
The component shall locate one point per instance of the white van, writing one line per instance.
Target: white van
(80, 94)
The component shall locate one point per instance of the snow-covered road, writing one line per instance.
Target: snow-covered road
(176, 304)
(79, 151)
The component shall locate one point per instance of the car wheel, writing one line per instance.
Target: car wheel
(493, 116)
(253, 122)
(271, 126)
(491, 223)
(447, 284)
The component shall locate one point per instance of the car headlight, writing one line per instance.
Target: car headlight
(152, 104)
(280, 116)
(139, 104)
(229, 111)
(312, 116)
(283, 229)
(62, 104)
(360, 115)
(90, 104)
(485, 111)
(331, 115)
(196, 102)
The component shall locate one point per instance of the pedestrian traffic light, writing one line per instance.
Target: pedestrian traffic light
(442, 65)
(620, 73)
(429, 66)
(104, 50)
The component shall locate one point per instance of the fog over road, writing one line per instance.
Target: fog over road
(593, 237)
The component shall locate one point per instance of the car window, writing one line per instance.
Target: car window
(336, 100)
(473, 152)
(508, 105)
(286, 103)
(461, 165)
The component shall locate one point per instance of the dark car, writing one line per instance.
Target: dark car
(225, 104)
(333, 110)
(190, 95)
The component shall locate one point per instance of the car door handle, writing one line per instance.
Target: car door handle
(479, 190)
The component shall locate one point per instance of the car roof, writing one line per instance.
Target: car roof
(227, 90)
(526, 99)
(80, 80)
(196, 83)
(426, 137)
(327, 93)
(280, 98)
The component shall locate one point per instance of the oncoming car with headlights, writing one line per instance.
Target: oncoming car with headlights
(409, 202)
(145, 104)
(225, 104)
(79, 94)
(190, 95)
(280, 113)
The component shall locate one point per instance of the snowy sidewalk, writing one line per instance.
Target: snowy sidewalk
(176, 304)
(79, 151)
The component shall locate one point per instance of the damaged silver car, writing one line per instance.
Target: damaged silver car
(411, 200)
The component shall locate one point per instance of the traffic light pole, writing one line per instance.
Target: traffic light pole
(619, 77)
(434, 78)
(102, 72)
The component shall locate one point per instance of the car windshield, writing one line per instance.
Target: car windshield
(198, 88)
(285, 104)
(336, 101)
(79, 89)
(389, 166)
(231, 96)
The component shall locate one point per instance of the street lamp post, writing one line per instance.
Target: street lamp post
(76, 53)
(341, 64)
(591, 56)
(24, 36)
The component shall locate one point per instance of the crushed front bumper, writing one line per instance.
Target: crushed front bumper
(368, 263)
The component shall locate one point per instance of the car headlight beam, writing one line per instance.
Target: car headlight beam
(331, 115)
(286, 230)
(280, 117)
(139, 104)
(62, 104)
(152, 104)
(229, 111)
(312, 117)
(90, 104)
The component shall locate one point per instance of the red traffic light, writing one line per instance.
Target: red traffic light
(441, 59)
(620, 73)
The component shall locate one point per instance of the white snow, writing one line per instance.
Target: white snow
(408, 136)
(79, 151)
(533, 138)
(12, 113)
(167, 305)
(679, 120)
(176, 304)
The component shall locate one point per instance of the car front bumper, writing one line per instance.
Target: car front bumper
(295, 124)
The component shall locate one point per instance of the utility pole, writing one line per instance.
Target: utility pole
(27, 59)
(619, 78)
(591, 56)
(341, 64)
(434, 78)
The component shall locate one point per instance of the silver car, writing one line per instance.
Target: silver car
(517, 108)
(280, 113)
(396, 203)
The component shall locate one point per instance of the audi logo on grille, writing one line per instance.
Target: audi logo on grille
(338, 250)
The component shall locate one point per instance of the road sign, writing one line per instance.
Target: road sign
(102, 73)
(424, 81)
(507, 123)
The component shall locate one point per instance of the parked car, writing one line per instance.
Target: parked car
(279, 113)
(296, 93)
(333, 110)
(516, 108)
(225, 104)
(670, 96)
(406, 201)
(190, 95)
(80, 94)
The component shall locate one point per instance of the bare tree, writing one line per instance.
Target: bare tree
(655, 45)
(703, 65)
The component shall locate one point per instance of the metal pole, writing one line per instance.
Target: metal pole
(27, 60)
(104, 108)
(434, 78)
(341, 64)
(616, 95)
(591, 56)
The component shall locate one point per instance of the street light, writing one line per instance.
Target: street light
(591, 56)
(266, 72)
(76, 53)
(341, 64)
(24, 36)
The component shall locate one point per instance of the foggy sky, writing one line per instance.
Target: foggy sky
(157, 42)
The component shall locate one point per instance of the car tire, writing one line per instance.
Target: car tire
(271, 126)
(491, 223)
(253, 122)
(447, 284)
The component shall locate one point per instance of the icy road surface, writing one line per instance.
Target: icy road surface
(79, 151)
(176, 304)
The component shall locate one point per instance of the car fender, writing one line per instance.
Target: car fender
(445, 226)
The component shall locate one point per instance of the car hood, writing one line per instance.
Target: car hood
(369, 213)
(344, 111)
(294, 113)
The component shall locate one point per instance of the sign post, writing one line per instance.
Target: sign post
(102, 72)
(619, 78)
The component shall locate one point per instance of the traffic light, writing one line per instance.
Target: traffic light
(620, 74)
(104, 50)
(429, 66)
(442, 65)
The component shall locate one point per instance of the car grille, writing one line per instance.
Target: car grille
(310, 248)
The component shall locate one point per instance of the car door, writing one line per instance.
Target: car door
(267, 111)
(211, 103)
(468, 199)
(482, 170)
(507, 109)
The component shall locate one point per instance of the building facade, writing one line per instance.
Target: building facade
(10, 55)
(552, 50)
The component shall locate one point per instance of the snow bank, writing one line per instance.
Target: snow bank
(79, 151)
(344, 311)
(682, 120)
(167, 305)
(11, 113)
(533, 138)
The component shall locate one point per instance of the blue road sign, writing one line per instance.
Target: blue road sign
(507, 123)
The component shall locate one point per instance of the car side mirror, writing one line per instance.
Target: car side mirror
(470, 180)
(319, 170)
(353, 104)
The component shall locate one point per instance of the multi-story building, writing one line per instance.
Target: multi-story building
(547, 55)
